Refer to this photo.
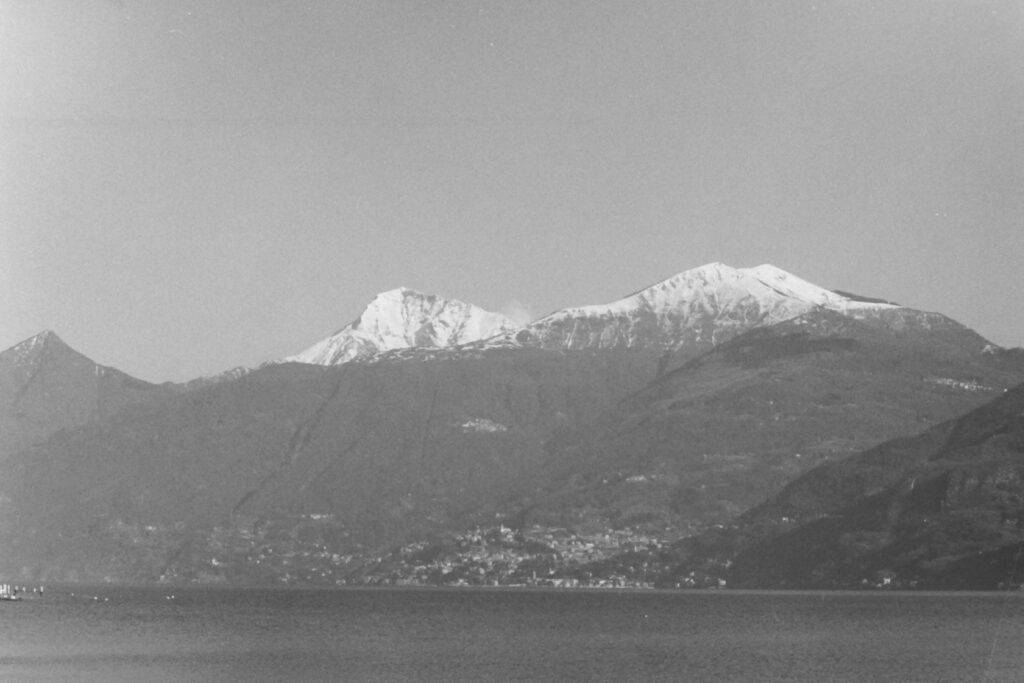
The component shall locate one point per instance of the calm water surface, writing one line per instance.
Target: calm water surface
(106, 634)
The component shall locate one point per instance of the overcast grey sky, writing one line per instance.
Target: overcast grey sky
(191, 186)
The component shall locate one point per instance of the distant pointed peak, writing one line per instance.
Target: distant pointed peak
(46, 336)
(38, 340)
(41, 345)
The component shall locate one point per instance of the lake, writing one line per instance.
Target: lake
(140, 635)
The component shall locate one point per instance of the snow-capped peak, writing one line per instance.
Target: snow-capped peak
(704, 304)
(404, 318)
(716, 286)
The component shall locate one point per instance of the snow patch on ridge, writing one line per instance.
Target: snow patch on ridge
(482, 425)
(28, 352)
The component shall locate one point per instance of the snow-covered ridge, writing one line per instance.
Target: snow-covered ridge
(404, 318)
(716, 286)
(704, 304)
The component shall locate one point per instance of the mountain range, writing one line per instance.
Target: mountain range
(663, 414)
(699, 308)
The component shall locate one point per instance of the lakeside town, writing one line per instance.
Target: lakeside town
(534, 556)
(314, 550)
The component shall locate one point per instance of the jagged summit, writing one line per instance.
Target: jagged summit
(705, 304)
(405, 318)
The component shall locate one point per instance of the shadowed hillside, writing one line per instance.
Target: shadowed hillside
(944, 509)
(386, 450)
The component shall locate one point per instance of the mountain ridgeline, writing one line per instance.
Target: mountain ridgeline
(45, 386)
(658, 416)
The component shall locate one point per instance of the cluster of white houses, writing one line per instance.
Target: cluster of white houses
(11, 592)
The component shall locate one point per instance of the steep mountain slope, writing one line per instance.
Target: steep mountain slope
(403, 318)
(717, 434)
(699, 307)
(385, 451)
(45, 386)
(943, 509)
